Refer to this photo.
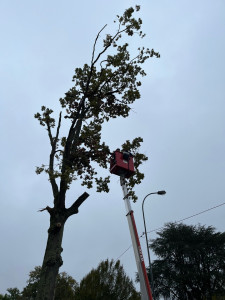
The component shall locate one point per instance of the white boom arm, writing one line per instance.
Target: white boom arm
(144, 283)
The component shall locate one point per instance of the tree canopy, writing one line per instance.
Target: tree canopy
(107, 281)
(102, 90)
(12, 294)
(65, 287)
(191, 262)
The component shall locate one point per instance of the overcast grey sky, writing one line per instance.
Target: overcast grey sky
(180, 116)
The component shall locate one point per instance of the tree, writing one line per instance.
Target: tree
(13, 294)
(65, 286)
(103, 90)
(30, 291)
(191, 262)
(107, 281)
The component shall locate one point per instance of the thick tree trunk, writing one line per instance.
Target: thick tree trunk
(52, 259)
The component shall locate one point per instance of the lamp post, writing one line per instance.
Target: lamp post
(146, 238)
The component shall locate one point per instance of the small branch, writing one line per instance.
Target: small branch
(171, 291)
(59, 150)
(57, 131)
(93, 53)
(104, 60)
(49, 209)
(49, 133)
(74, 207)
(115, 73)
(106, 47)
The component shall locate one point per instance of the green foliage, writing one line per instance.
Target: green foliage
(191, 262)
(65, 286)
(102, 90)
(139, 158)
(12, 294)
(108, 281)
(30, 291)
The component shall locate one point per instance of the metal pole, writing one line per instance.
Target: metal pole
(144, 282)
(146, 238)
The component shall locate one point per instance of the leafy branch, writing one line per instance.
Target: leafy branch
(100, 92)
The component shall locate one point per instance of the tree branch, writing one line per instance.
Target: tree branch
(81, 104)
(74, 207)
(57, 131)
(49, 133)
(93, 52)
(171, 290)
(54, 185)
(106, 47)
(70, 145)
(115, 73)
(69, 139)
(49, 209)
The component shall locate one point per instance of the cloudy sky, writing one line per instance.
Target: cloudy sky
(180, 116)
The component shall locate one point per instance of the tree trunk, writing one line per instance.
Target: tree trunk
(52, 259)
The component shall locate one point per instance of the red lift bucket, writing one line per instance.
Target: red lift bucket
(122, 164)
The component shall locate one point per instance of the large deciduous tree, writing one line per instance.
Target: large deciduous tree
(102, 90)
(107, 281)
(191, 262)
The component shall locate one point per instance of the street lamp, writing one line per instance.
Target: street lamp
(149, 260)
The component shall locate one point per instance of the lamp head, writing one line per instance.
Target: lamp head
(161, 192)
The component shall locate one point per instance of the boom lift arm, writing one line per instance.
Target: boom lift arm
(122, 165)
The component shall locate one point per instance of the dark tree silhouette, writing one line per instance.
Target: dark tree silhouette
(191, 262)
(65, 286)
(107, 281)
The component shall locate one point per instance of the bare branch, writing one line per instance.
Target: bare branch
(94, 62)
(74, 207)
(57, 131)
(49, 209)
(55, 189)
(59, 150)
(93, 53)
(106, 47)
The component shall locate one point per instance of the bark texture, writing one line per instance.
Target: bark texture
(52, 258)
